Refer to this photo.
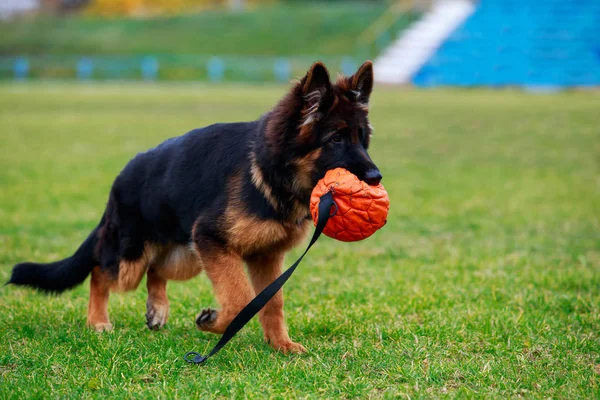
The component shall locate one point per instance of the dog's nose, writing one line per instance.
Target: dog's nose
(373, 177)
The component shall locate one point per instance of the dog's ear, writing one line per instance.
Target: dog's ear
(304, 105)
(361, 83)
(316, 88)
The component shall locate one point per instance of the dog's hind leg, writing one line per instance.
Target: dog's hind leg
(263, 271)
(157, 305)
(98, 306)
(230, 283)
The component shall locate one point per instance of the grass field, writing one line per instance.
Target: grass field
(318, 28)
(484, 283)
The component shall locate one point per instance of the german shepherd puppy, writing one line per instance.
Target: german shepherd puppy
(216, 198)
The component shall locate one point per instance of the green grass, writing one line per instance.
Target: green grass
(281, 30)
(484, 283)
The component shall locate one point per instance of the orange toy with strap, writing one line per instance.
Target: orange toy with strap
(360, 209)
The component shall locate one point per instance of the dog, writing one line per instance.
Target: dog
(217, 198)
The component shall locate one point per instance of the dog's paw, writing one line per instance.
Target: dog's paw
(206, 319)
(156, 315)
(288, 347)
(101, 326)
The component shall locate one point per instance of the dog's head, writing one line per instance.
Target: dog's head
(322, 125)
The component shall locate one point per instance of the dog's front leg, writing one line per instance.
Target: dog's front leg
(264, 270)
(230, 283)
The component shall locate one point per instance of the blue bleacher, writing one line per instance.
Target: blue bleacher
(540, 43)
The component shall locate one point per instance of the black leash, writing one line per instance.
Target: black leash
(263, 297)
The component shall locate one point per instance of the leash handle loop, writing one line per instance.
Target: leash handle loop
(244, 316)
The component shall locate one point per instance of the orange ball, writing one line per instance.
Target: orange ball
(361, 209)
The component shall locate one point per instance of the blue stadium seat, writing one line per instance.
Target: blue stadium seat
(550, 43)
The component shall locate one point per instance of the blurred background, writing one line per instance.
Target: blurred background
(531, 43)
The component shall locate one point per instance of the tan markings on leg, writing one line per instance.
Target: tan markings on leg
(178, 263)
(231, 286)
(132, 272)
(157, 305)
(263, 271)
(98, 306)
(259, 182)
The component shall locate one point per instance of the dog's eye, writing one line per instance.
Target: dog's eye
(336, 138)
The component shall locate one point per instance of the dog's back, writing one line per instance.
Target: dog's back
(178, 179)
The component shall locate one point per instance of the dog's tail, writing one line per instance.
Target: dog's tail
(61, 275)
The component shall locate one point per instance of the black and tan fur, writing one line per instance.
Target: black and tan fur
(217, 198)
